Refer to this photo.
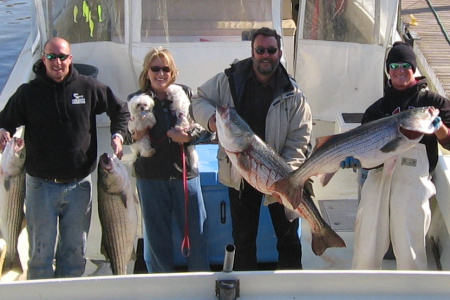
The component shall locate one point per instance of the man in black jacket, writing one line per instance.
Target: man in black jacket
(58, 110)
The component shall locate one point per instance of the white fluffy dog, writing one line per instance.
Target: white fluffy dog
(142, 117)
(180, 104)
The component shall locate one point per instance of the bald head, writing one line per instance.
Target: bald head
(57, 58)
(56, 42)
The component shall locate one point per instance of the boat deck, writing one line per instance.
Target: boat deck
(431, 30)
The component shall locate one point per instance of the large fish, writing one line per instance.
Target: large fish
(117, 208)
(374, 143)
(12, 196)
(261, 166)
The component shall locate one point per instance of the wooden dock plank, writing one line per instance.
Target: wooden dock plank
(432, 43)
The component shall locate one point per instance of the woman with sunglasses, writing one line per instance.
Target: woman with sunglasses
(394, 206)
(163, 179)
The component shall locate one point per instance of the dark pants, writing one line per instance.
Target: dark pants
(245, 209)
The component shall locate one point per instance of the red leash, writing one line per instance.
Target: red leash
(185, 245)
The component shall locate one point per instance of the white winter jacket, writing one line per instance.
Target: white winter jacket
(288, 121)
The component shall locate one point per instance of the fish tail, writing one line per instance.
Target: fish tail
(12, 264)
(325, 238)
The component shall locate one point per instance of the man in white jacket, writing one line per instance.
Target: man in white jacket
(270, 101)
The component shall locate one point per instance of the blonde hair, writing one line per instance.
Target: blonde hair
(144, 81)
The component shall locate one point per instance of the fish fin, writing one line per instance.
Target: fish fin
(103, 248)
(7, 183)
(392, 145)
(24, 223)
(325, 178)
(320, 141)
(123, 197)
(270, 200)
(288, 193)
(389, 165)
(308, 187)
(12, 264)
(136, 199)
(133, 255)
(325, 238)
(291, 215)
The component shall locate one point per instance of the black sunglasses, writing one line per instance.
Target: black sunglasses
(53, 56)
(270, 50)
(156, 69)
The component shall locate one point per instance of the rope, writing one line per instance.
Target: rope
(439, 21)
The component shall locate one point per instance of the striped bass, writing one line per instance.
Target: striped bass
(12, 196)
(374, 143)
(117, 208)
(261, 167)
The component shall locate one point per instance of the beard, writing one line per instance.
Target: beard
(265, 67)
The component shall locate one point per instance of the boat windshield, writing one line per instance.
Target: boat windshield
(156, 21)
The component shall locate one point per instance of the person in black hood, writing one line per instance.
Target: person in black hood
(58, 109)
(394, 205)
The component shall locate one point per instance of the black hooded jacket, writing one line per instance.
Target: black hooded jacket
(60, 122)
(395, 101)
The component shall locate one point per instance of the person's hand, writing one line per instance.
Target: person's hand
(437, 123)
(212, 123)
(179, 135)
(117, 145)
(350, 162)
(5, 137)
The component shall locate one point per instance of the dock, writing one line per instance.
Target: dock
(428, 25)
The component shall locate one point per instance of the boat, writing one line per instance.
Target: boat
(336, 53)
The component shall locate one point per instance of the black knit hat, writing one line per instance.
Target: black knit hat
(401, 52)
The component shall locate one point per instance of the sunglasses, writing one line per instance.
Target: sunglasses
(53, 56)
(395, 66)
(270, 50)
(156, 69)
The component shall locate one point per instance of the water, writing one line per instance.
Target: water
(15, 16)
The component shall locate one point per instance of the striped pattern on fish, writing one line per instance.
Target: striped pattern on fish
(117, 208)
(261, 167)
(374, 143)
(12, 197)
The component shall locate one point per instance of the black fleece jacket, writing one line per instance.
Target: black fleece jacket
(60, 122)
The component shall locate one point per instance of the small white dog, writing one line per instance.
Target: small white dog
(142, 117)
(180, 104)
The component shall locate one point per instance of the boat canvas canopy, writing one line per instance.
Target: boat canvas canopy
(204, 36)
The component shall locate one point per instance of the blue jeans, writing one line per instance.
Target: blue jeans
(161, 200)
(52, 208)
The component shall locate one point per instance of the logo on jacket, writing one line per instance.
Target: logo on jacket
(398, 110)
(78, 99)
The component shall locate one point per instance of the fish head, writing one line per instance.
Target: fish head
(13, 157)
(112, 174)
(233, 132)
(416, 122)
